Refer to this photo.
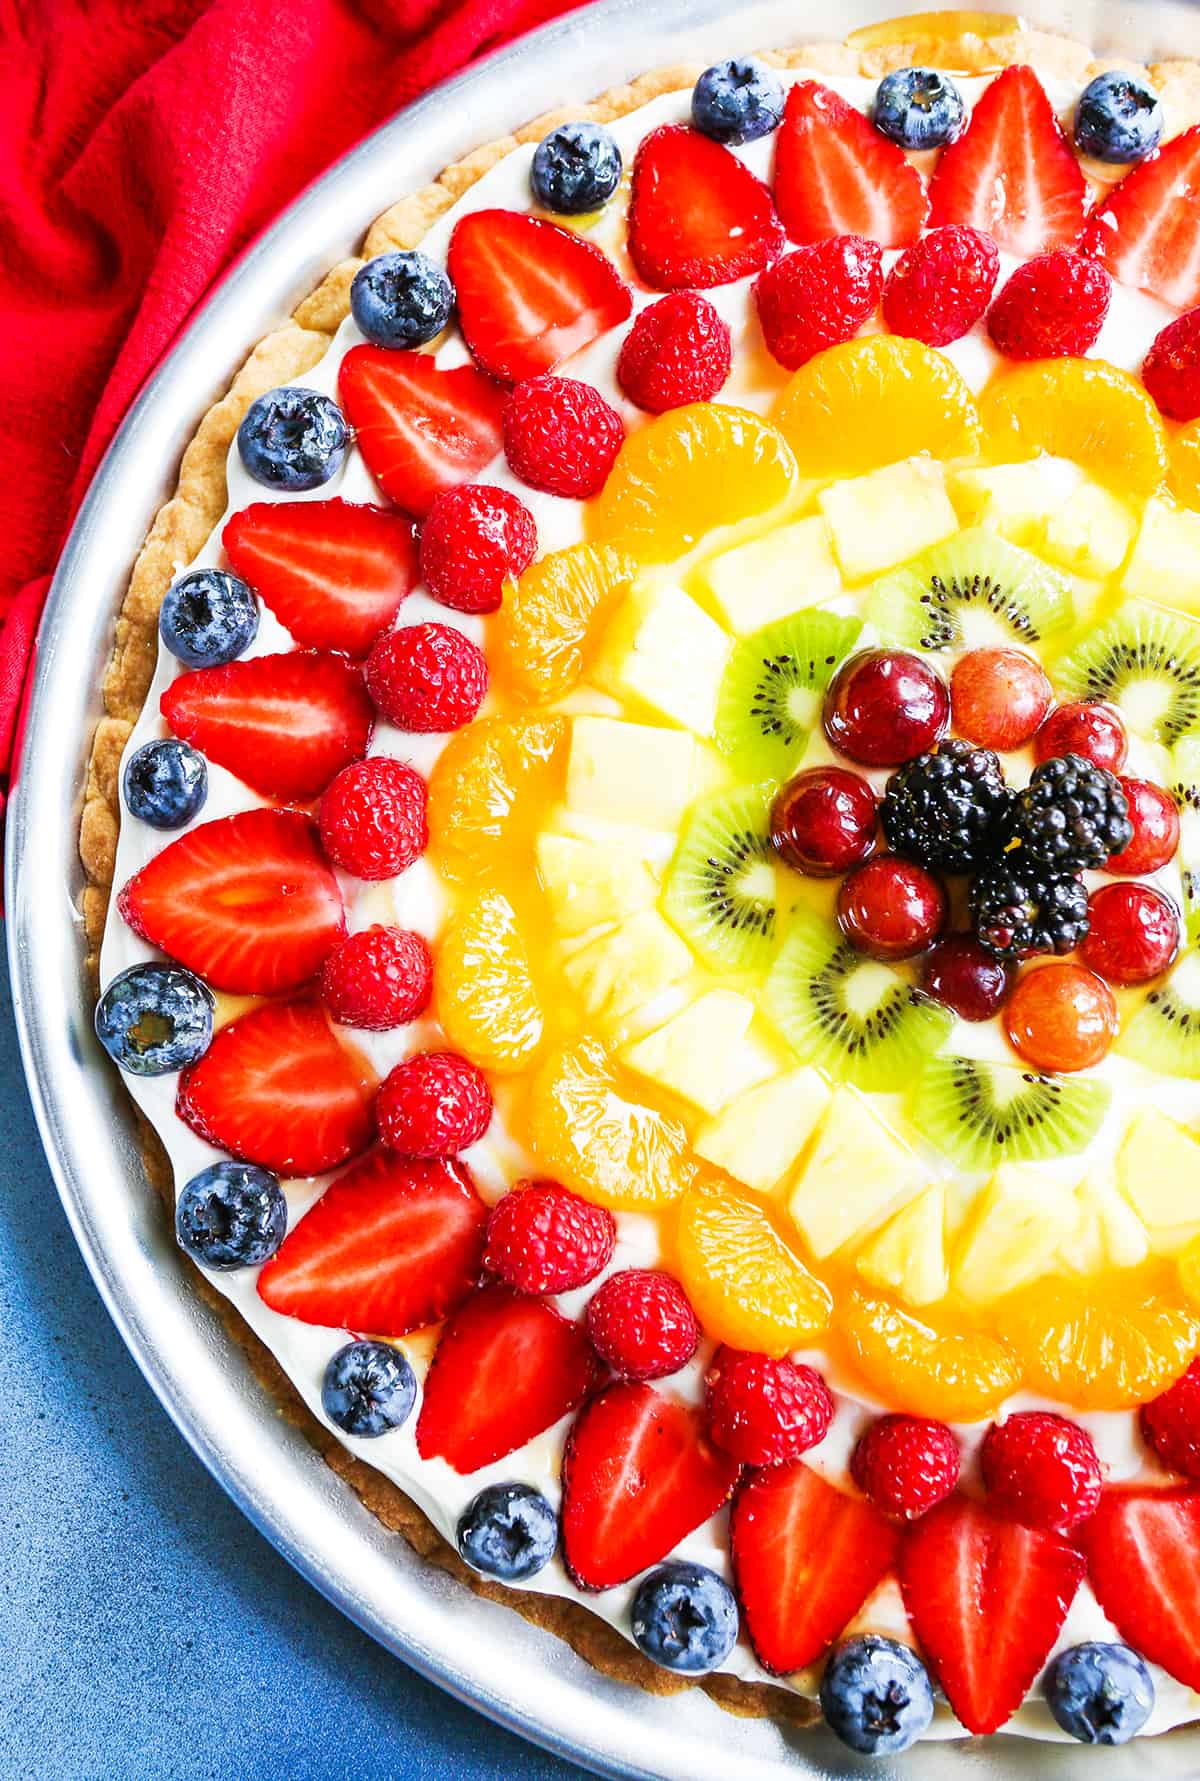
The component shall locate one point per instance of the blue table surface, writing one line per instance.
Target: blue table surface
(146, 1629)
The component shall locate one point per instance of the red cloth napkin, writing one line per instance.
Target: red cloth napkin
(143, 143)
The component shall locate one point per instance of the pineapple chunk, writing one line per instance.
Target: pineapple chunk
(1158, 1171)
(662, 650)
(1108, 1232)
(857, 1174)
(908, 1256)
(887, 516)
(694, 1053)
(1015, 500)
(758, 1136)
(1021, 1220)
(627, 967)
(630, 773)
(1090, 534)
(590, 886)
(1165, 565)
(773, 576)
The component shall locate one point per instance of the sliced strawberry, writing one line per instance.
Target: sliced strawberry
(248, 901)
(1012, 172)
(506, 1369)
(1147, 229)
(420, 429)
(639, 1474)
(394, 1244)
(1143, 1556)
(805, 1556)
(697, 215)
(530, 294)
(284, 724)
(279, 1088)
(333, 572)
(836, 175)
(987, 1599)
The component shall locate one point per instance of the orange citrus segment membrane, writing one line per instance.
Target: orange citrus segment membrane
(489, 788)
(956, 1376)
(747, 1287)
(486, 999)
(1082, 409)
(541, 632)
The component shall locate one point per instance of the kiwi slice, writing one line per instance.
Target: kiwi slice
(984, 1114)
(1144, 661)
(1184, 787)
(975, 589)
(721, 888)
(774, 683)
(859, 1019)
(1164, 1032)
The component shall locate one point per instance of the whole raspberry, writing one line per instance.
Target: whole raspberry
(435, 1103)
(677, 351)
(941, 285)
(543, 1238)
(372, 818)
(427, 677)
(1171, 369)
(906, 1464)
(561, 436)
(378, 978)
(763, 1410)
(1171, 1424)
(474, 538)
(818, 296)
(1053, 307)
(641, 1323)
(1042, 1470)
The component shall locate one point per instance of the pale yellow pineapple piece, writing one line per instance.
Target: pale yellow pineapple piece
(1158, 1171)
(857, 1173)
(590, 886)
(1020, 1221)
(773, 576)
(887, 516)
(631, 773)
(627, 967)
(1090, 534)
(758, 1136)
(662, 650)
(695, 1054)
(1165, 564)
(1108, 1232)
(1015, 500)
(908, 1256)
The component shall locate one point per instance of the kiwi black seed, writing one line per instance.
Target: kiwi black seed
(975, 589)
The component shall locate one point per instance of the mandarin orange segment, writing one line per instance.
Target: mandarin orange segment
(688, 472)
(489, 788)
(959, 1376)
(1082, 409)
(541, 631)
(610, 1149)
(486, 999)
(868, 402)
(1189, 1271)
(952, 39)
(1183, 473)
(747, 1287)
(1100, 1353)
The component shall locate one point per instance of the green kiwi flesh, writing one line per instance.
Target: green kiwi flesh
(857, 1018)
(1144, 661)
(975, 589)
(721, 888)
(771, 695)
(1184, 786)
(1164, 1032)
(984, 1114)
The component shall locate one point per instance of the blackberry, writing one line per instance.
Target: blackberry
(1021, 906)
(1072, 815)
(944, 808)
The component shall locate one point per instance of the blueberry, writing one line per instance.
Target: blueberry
(368, 1389)
(1101, 1694)
(166, 783)
(508, 1531)
(231, 1215)
(576, 168)
(737, 101)
(685, 1618)
(401, 299)
(1118, 119)
(208, 617)
(154, 1019)
(293, 439)
(918, 108)
(876, 1695)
